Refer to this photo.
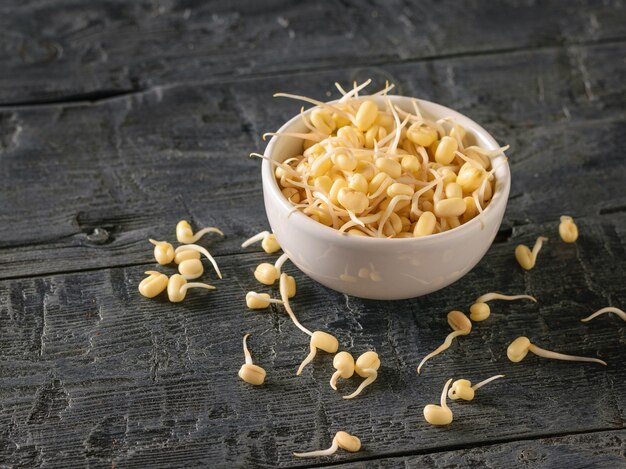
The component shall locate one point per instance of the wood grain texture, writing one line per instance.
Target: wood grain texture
(95, 373)
(63, 49)
(606, 449)
(86, 185)
(118, 119)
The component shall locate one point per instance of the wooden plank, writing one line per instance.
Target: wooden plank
(599, 449)
(60, 50)
(95, 374)
(86, 185)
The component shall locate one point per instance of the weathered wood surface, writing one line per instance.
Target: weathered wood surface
(60, 49)
(606, 449)
(131, 167)
(93, 374)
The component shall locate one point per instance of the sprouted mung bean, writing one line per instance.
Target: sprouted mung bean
(202, 250)
(608, 309)
(267, 273)
(343, 362)
(269, 243)
(463, 389)
(460, 324)
(519, 348)
(568, 229)
(184, 233)
(191, 269)
(366, 366)
(480, 310)
(341, 440)
(381, 171)
(249, 372)
(527, 258)
(439, 414)
(256, 300)
(177, 288)
(163, 251)
(322, 341)
(155, 283)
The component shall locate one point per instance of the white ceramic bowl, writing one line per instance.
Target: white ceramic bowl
(381, 268)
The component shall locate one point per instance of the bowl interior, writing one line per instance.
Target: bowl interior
(282, 148)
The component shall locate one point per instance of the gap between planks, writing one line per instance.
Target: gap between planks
(459, 447)
(602, 214)
(99, 96)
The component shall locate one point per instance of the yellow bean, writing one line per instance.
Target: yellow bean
(479, 311)
(270, 244)
(345, 161)
(254, 302)
(154, 284)
(385, 120)
(366, 170)
(266, 273)
(353, 136)
(453, 222)
(393, 226)
(411, 164)
(366, 115)
(445, 151)
(340, 121)
(321, 166)
(344, 364)
(450, 207)
(421, 135)
(524, 257)
(375, 134)
(399, 189)
(334, 190)
(568, 229)
(323, 121)
(453, 190)
(425, 224)
(389, 166)
(447, 175)
(323, 183)
(470, 209)
(191, 268)
(292, 194)
(406, 223)
(469, 178)
(352, 200)
(250, 372)
(366, 366)
(358, 183)
(163, 251)
(381, 179)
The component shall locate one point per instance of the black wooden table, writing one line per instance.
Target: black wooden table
(117, 119)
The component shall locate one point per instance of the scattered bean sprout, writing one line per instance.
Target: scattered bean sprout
(341, 440)
(463, 389)
(519, 348)
(460, 324)
(249, 372)
(366, 366)
(439, 414)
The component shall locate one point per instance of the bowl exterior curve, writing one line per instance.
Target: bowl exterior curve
(375, 268)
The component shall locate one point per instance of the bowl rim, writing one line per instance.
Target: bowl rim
(500, 195)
